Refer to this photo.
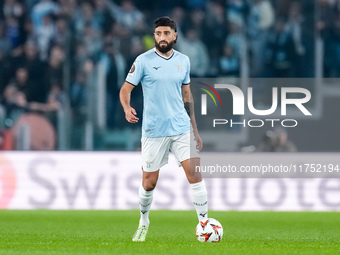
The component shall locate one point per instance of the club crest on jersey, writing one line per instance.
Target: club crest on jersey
(179, 68)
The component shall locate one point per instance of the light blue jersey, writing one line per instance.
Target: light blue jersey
(162, 78)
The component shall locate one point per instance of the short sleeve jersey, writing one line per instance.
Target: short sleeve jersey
(162, 79)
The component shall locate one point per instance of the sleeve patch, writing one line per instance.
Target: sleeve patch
(132, 69)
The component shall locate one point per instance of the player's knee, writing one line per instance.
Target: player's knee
(149, 185)
(194, 177)
(193, 180)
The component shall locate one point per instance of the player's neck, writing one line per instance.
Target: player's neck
(166, 54)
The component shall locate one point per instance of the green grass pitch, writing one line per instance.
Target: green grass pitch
(171, 232)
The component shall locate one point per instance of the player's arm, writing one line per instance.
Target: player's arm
(125, 96)
(189, 107)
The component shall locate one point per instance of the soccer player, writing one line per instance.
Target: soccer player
(168, 119)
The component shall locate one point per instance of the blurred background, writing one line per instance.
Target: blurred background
(63, 62)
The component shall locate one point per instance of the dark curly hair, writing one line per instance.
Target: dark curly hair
(166, 22)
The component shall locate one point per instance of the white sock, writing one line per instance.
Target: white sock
(145, 199)
(199, 199)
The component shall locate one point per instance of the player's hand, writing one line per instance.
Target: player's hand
(130, 115)
(199, 142)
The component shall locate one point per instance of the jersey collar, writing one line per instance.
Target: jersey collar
(173, 52)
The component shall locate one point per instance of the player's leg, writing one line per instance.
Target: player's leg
(145, 193)
(197, 188)
(189, 160)
(155, 154)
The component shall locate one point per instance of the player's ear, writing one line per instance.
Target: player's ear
(176, 35)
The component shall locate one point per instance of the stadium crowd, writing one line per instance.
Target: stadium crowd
(48, 48)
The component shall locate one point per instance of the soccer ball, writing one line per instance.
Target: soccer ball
(210, 231)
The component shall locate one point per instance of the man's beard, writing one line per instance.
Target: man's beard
(164, 49)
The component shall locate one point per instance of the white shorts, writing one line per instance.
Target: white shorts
(155, 150)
